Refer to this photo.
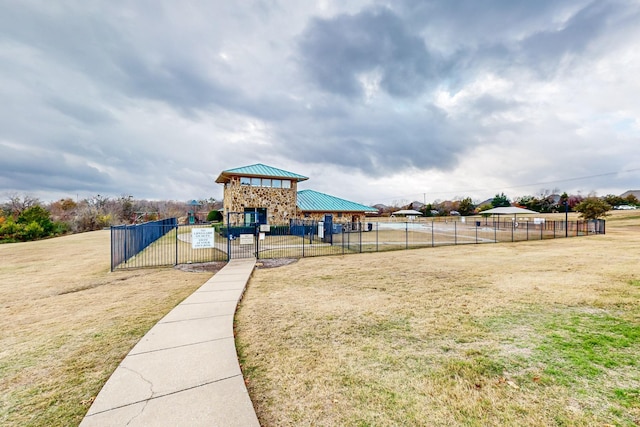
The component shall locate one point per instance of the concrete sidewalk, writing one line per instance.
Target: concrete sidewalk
(184, 371)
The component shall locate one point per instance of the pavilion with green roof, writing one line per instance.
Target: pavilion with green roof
(268, 195)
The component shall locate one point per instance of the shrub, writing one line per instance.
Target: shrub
(8, 230)
(33, 223)
(592, 208)
(39, 216)
(33, 231)
(483, 208)
(60, 227)
(214, 216)
(104, 221)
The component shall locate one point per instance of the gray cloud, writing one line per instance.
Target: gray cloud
(179, 85)
(380, 142)
(155, 98)
(86, 114)
(508, 39)
(335, 51)
(513, 36)
(22, 169)
(546, 49)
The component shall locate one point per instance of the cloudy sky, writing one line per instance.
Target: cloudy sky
(374, 101)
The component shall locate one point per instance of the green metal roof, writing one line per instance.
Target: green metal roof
(259, 170)
(314, 201)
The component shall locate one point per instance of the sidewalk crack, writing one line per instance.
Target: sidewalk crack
(146, 401)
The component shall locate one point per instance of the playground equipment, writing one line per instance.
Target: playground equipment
(192, 214)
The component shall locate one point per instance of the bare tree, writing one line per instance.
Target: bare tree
(18, 204)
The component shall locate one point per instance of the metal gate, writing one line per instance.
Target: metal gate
(242, 237)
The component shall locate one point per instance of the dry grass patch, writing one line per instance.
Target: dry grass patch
(531, 333)
(66, 322)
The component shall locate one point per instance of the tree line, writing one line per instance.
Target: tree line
(24, 218)
(590, 207)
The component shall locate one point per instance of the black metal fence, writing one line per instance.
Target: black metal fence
(167, 243)
(127, 241)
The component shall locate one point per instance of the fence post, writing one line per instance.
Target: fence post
(406, 235)
(433, 242)
(377, 227)
(257, 239)
(455, 232)
(513, 226)
(228, 238)
(126, 239)
(476, 232)
(360, 234)
(176, 228)
(112, 246)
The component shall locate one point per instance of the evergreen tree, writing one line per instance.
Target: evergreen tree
(500, 200)
(592, 208)
(466, 206)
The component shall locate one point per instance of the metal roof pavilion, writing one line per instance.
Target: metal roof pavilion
(510, 210)
(407, 212)
(314, 201)
(259, 170)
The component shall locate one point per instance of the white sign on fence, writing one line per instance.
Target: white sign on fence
(265, 228)
(202, 238)
(246, 239)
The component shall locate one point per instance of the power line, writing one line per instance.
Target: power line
(575, 179)
(475, 190)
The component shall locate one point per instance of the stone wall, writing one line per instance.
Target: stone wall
(338, 217)
(279, 202)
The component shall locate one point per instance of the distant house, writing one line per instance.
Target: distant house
(266, 195)
(485, 202)
(628, 193)
(554, 199)
(416, 206)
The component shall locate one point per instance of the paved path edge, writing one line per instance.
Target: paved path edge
(185, 370)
